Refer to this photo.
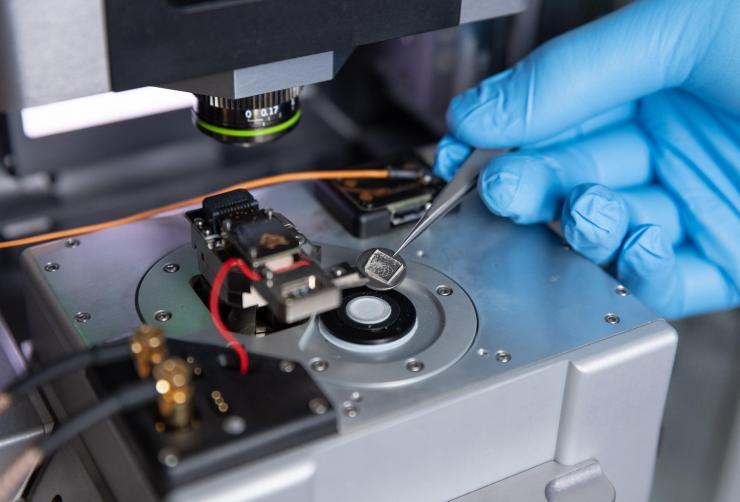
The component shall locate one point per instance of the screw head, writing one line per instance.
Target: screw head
(420, 253)
(612, 318)
(171, 268)
(482, 352)
(503, 357)
(622, 291)
(234, 425)
(82, 317)
(414, 365)
(356, 397)
(444, 290)
(72, 243)
(350, 410)
(162, 315)
(51, 267)
(319, 365)
(168, 458)
(318, 406)
(286, 366)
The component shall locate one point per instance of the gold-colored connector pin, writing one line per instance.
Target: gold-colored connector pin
(173, 379)
(149, 348)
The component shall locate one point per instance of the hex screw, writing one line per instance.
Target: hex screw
(444, 290)
(82, 317)
(171, 268)
(318, 406)
(51, 267)
(350, 410)
(168, 458)
(414, 365)
(319, 365)
(72, 243)
(286, 366)
(162, 315)
(503, 357)
(622, 291)
(612, 318)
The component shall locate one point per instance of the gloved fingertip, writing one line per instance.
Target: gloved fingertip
(497, 189)
(521, 186)
(450, 155)
(595, 220)
(647, 267)
(481, 116)
(646, 253)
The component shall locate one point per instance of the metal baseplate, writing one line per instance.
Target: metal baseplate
(525, 353)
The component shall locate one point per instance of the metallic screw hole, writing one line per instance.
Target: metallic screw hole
(622, 291)
(482, 352)
(162, 315)
(612, 318)
(350, 410)
(319, 365)
(318, 406)
(414, 365)
(168, 458)
(82, 317)
(234, 425)
(51, 267)
(72, 243)
(171, 268)
(286, 366)
(502, 356)
(444, 290)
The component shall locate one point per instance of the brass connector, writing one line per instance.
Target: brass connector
(174, 384)
(149, 348)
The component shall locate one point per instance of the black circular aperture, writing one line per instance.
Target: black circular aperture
(398, 324)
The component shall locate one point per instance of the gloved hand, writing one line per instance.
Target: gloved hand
(629, 129)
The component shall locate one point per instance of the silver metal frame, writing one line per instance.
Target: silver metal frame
(564, 366)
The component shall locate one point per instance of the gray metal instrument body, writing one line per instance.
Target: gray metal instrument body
(45, 57)
(529, 376)
(464, 181)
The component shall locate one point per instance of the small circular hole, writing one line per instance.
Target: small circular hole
(622, 291)
(612, 318)
(444, 290)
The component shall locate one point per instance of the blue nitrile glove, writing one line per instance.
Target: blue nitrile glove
(630, 133)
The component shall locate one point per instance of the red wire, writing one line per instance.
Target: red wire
(218, 283)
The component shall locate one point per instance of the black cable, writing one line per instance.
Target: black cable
(100, 354)
(129, 397)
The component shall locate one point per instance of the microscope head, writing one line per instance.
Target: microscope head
(244, 60)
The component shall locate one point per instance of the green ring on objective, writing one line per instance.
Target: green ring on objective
(250, 133)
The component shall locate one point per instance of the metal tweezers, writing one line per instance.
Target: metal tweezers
(451, 195)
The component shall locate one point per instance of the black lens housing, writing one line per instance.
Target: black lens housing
(248, 121)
